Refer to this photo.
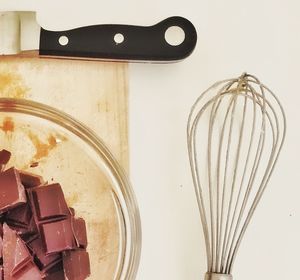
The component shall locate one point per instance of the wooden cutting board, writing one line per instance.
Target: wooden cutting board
(94, 93)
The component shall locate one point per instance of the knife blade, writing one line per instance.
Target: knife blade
(20, 33)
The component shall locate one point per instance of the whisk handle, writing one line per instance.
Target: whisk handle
(217, 276)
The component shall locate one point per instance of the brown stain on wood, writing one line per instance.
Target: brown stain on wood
(103, 231)
(8, 125)
(43, 148)
(72, 199)
(12, 85)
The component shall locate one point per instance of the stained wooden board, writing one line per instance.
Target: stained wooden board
(96, 94)
(93, 92)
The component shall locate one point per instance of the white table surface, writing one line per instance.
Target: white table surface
(260, 37)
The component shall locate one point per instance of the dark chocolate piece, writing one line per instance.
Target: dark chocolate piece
(58, 236)
(28, 232)
(15, 253)
(30, 180)
(76, 265)
(19, 216)
(12, 192)
(19, 230)
(49, 202)
(22, 256)
(29, 272)
(43, 260)
(27, 238)
(4, 158)
(40, 239)
(79, 230)
(56, 272)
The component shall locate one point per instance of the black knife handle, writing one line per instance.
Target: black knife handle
(141, 43)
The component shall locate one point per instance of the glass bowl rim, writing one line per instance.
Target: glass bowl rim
(36, 109)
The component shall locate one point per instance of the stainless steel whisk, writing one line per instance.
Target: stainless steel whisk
(235, 132)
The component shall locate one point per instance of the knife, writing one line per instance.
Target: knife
(172, 39)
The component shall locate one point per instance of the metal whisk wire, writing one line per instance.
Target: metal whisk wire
(235, 133)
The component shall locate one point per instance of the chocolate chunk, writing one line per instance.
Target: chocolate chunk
(30, 232)
(12, 192)
(30, 180)
(28, 272)
(26, 232)
(76, 265)
(4, 159)
(19, 216)
(27, 238)
(40, 238)
(58, 236)
(79, 230)
(56, 272)
(15, 254)
(43, 260)
(22, 256)
(49, 202)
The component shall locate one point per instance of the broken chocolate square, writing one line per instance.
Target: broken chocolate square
(12, 192)
(30, 180)
(22, 256)
(43, 260)
(56, 272)
(79, 230)
(27, 234)
(49, 202)
(19, 216)
(76, 265)
(28, 272)
(15, 253)
(30, 232)
(58, 236)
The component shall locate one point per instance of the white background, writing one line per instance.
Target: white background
(261, 37)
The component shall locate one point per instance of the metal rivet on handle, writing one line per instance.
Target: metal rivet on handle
(119, 38)
(63, 40)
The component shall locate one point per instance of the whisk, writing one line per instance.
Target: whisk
(235, 133)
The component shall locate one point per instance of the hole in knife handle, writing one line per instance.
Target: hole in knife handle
(174, 35)
(63, 40)
(119, 38)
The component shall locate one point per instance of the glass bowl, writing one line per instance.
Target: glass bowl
(52, 144)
